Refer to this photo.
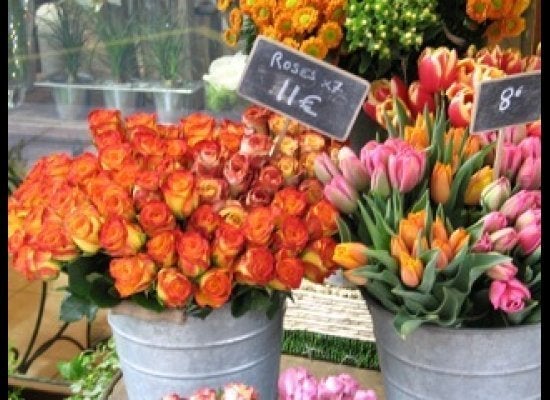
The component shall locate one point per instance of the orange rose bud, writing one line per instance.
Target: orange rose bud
(228, 243)
(175, 148)
(313, 190)
(179, 194)
(109, 137)
(270, 177)
(317, 258)
(173, 288)
(148, 180)
(35, 264)
(290, 168)
(206, 155)
(148, 120)
(290, 201)
(169, 131)
(204, 220)
(102, 116)
(83, 167)
(292, 235)
(53, 238)
(350, 255)
(255, 267)
(212, 190)
(126, 177)
(233, 213)
(215, 287)
(321, 219)
(458, 239)
(162, 248)
(115, 156)
(132, 274)
(445, 252)
(397, 246)
(258, 226)
(120, 238)
(230, 134)
(113, 199)
(147, 142)
(141, 197)
(193, 253)
(289, 273)
(156, 217)
(16, 240)
(65, 199)
(255, 117)
(440, 183)
(411, 270)
(439, 231)
(83, 225)
(197, 127)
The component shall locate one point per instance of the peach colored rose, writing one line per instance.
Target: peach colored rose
(270, 177)
(126, 177)
(258, 226)
(233, 213)
(35, 264)
(109, 137)
(115, 157)
(255, 118)
(289, 273)
(228, 243)
(148, 180)
(83, 167)
(66, 199)
(147, 142)
(176, 148)
(290, 201)
(197, 127)
(258, 196)
(102, 117)
(277, 122)
(139, 119)
(215, 287)
(255, 267)
(290, 168)
(292, 234)
(212, 190)
(173, 288)
(156, 217)
(313, 190)
(311, 141)
(193, 253)
(317, 258)
(307, 163)
(118, 237)
(132, 274)
(170, 131)
(288, 146)
(162, 248)
(230, 134)
(204, 220)
(82, 226)
(57, 164)
(53, 238)
(113, 199)
(142, 197)
(238, 173)
(206, 154)
(178, 191)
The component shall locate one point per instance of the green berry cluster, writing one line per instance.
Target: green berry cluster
(383, 27)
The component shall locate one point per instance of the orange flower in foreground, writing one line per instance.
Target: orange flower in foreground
(290, 201)
(411, 270)
(289, 273)
(440, 182)
(259, 225)
(445, 252)
(321, 219)
(293, 234)
(204, 220)
(255, 267)
(35, 264)
(350, 255)
(334, 11)
(162, 248)
(120, 238)
(132, 274)
(83, 225)
(173, 288)
(397, 246)
(102, 117)
(178, 190)
(458, 239)
(148, 120)
(228, 243)
(317, 258)
(417, 135)
(54, 239)
(236, 19)
(197, 127)
(193, 252)
(214, 288)
(156, 217)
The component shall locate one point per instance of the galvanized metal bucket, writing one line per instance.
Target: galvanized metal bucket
(435, 363)
(160, 357)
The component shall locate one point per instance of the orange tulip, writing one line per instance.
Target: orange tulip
(439, 231)
(477, 183)
(350, 255)
(411, 270)
(458, 239)
(445, 252)
(440, 183)
(397, 246)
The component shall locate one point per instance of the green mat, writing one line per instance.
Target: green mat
(355, 353)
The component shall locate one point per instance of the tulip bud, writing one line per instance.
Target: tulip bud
(504, 239)
(479, 181)
(350, 255)
(483, 245)
(529, 238)
(529, 174)
(324, 168)
(460, 108)
(529, 217)
(502, 272)
(440, 183)
(419, 98)
(514, 134)
(411, 270)
(353, 169)
(437, 68)
(509, 296)
(341, 194)
(494, 221)
(406, 169)
(496, 193)
(511, 160)
(379, 182)
(519, 203)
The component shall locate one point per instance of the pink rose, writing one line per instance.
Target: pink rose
(330, 388)
(508, 296)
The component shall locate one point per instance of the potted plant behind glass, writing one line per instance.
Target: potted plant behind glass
(117, 32)
(67, 32)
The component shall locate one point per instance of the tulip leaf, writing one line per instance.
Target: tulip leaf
(384, 257)
(519, 317)
(421, 202)
(371, 227)
(534, 316)
(451, 269)
(102, 291)
(429, 121)
(381, 292)
(389, 127)
(426, 300)
(428, 277)
(401, 116)
(473, 266)
(381, 223)
(343, 230)
(374, 272)
(405, 323)
(450, 306)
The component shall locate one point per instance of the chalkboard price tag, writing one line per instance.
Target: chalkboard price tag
(303, 88)
(507, 101)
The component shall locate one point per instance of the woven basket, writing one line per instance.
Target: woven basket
(329, 310)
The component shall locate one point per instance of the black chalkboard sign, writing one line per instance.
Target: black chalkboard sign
(301, 87)
(507, 101)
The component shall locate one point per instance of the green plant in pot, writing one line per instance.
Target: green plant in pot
(117, 35)
(67, 32)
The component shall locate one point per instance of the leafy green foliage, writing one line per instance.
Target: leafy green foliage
(251, 298)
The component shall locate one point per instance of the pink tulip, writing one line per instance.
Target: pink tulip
(341, 194)
(437, 68)
(353, 169)
(419, 98)
(529, 238)
(496, 193)
(297, 384)
(519, 203)
(494, 221)
(374, 154)
(514, 134)
(365, 395)
(460, 108)
(324, 168)
(483, 244)
(531, 147)
(406, 169)
(379, 182)
(529, 174)
(504, 239)
(508, 296)
(529, 217)
(510, 161)
(503, 272)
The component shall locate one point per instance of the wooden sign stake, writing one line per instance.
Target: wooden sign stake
(498, 153)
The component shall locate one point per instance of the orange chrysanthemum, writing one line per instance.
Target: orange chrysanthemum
(498, 8)
(262, 14)
(270, 32)
(334, 11)
(331, 34)
(246, 5)
(315, 47)
(512, 26)
(290, 4)
(223, 5)
(519, 8)
(305, 19)
(231, 37)
(477, 10)
(291, 42)
(236, 19)
(283, 24)
(494, 32)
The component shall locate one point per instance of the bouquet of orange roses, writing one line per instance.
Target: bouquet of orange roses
(191, 215)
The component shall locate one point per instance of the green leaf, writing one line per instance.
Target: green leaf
(389, 127)
(428, 277)
(382, 293)
(72, 370)
(473, 266)
(198, 312)
(79, 269)
(405, 323)
(452, 268)
(383, 229)
(534, 316)
(517, 318)
(426, 300)
(149, 302)
(375, 272)
(449, 309)
(343, 230)
(401, 116)
(73, 308)
(384, 257)
(371, 227)
(102, 291)
(421, 202)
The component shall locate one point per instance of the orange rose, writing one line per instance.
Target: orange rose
(32, 223)
(175, 148)
(233, 213)
(132, 274)
(148, 180)
(156, 217)
(311, 141)
(321, 219)
(255, 117)
(290, 168)
(211, 190)
(173, 288)
(115, 157)
(16, 240)
(197, 127)
(277, 122)
(289, 273)
(83, 167)
(113, 199)
(109, 137)
(207, 158)
(126, 177)
(162, 248)
(193, 253)
(313, 190)
(83, 225)
(255, 267)
(119, 237)
(290, 201)
(147, 142)
(53, 238)
(214, 288)
(178, 191)
(148, 120)
(141, 197)
(66, 199)
(57, 165)
(292, 234)
(317, 258)
(228, 243)
(270, 177)
(102, 116)
(230, 134)
(35, 264)
(258, 196)
(258, 226)
(204, 220)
